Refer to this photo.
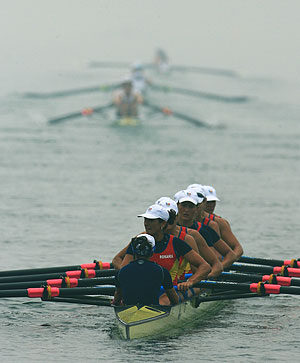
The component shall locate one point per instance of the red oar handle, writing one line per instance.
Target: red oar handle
(276, 279)
(287, 271)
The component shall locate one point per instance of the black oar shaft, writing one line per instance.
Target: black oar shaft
(75, 274)
(260, 287)
(82, 300)
(42, 270)
(273, 279)
(269, 261)
(73, 282)
(49, 292)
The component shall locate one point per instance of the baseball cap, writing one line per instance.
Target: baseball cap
(156, 211)
(186, 196)
(199, 189)
(210, 193)
(167, 203)
(150, 238)
(126, 79)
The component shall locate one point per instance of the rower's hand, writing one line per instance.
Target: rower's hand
(184, 286)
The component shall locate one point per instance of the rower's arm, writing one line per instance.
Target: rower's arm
(208, 255)
(118, 296)
(172, 295)
(229, 237)
(119, 257)
(203, 269)
(228, 255)
(127, 259)
(191, 242)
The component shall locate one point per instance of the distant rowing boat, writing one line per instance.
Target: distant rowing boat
(139, 322)
(127, 121)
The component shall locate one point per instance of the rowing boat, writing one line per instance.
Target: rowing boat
(135, 322)
(127, 121)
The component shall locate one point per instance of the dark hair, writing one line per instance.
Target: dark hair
(172, 217)
(142, 247)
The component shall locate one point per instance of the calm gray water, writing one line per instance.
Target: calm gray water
(70, 193)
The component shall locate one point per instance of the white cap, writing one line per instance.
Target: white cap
(186, 196)
(210, 193)
(167, 203)
(137, 66)
(150, 238)
(199, 189)
(126, 79)
(156, 211)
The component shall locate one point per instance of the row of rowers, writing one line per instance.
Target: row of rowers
(189, 238)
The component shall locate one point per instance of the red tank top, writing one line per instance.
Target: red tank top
(168, 260)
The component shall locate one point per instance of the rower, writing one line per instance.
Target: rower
(169, 249)
(194, 239)
(188, 201)
(207, 212)
(138, 78)
(161, 60)
(140, 281)
(126, 99)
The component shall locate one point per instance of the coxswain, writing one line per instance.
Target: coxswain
(139, 282)
(207, 212)
(127, 100)
(188, 202)
(194, 239)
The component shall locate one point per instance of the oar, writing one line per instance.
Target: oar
(180, 68)
(223, 297)
(258, 288)
(283, 270)
(179, 115)
(212, 71)
(270, 262)
(96, 265)
(48, 292)
(210, 96)
(84, 112)
(72, 92)
(109, 64)
(273, 279)
(86, 300)
(62, 282)
(83, 273)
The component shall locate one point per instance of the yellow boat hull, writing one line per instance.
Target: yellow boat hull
(128, 121)
(139, 322)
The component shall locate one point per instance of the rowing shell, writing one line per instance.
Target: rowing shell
(128, 121)
(139, 322)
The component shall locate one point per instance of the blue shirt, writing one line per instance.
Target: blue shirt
(140, 282)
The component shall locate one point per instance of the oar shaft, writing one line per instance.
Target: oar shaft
(72, 274)
(49, 292)
(63, 282)
(261, 288)
(273, 279)
(270, 262)
(283, 270)
(83, 300)
(97, 265)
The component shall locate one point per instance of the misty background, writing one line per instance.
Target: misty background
(257, 38)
